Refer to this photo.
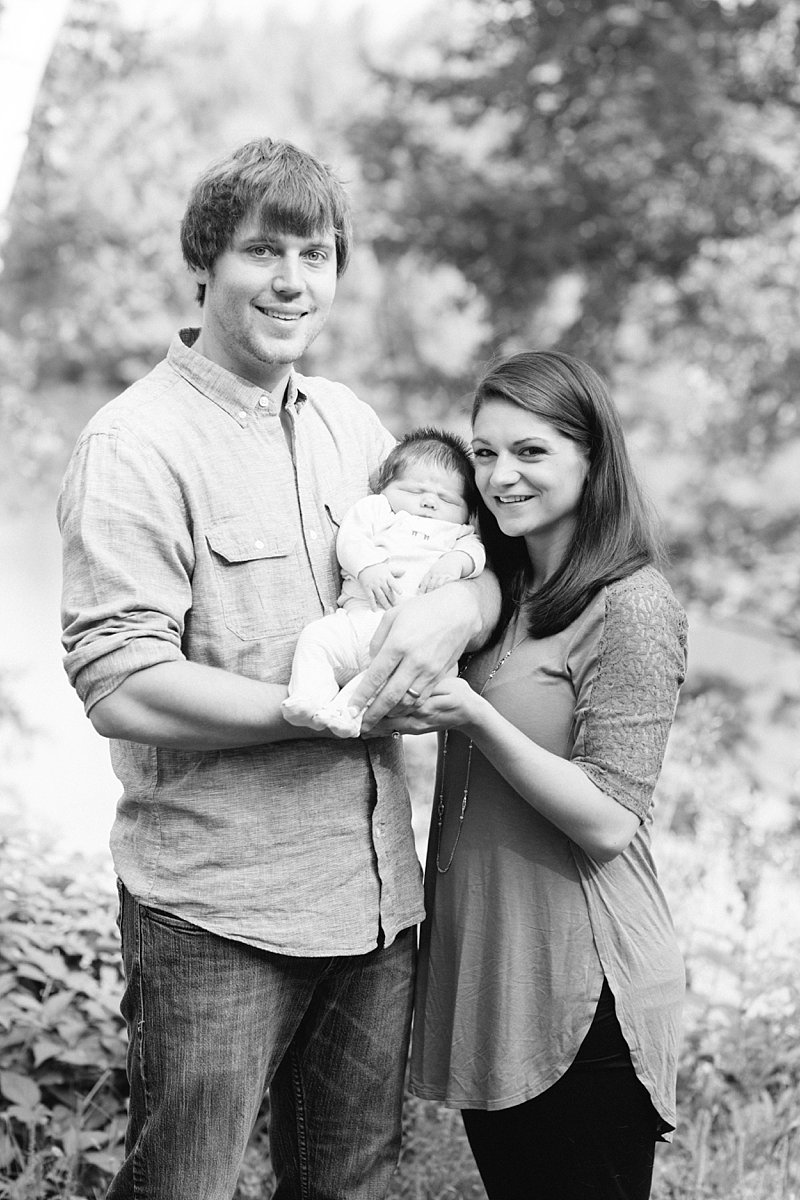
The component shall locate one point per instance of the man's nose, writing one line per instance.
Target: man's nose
(288, 276)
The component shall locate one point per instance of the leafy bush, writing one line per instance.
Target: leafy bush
(62, 1068)
(728, 853)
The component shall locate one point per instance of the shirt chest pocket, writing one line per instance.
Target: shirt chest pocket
(257, 577)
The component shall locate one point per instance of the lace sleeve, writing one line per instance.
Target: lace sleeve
(628, 689)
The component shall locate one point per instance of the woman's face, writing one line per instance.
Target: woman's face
(530, 476)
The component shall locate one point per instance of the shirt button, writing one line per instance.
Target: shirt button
(242, 414)
(263, 402)
(312, 533)
(259, 545)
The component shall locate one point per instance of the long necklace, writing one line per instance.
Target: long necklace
(465, 794)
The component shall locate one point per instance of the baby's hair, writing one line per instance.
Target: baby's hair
(437, 446)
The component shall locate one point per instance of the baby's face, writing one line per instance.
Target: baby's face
(427, 490)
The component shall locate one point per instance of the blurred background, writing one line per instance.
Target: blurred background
(619, 180)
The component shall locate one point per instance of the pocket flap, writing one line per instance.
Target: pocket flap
(242, 541)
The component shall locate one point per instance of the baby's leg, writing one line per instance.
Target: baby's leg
(339, 715)
(326, 656)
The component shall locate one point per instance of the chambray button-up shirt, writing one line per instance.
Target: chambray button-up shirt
(193, 530)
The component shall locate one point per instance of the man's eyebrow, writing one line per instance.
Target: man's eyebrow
(314, 241)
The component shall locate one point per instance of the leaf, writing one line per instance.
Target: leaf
(26, 1114)
(19, 1089)
(54, 1006)
(110, 1163)
(77, 1057)
(8, 1150)
(69, 1142)
(44, 1049)
(50, 962)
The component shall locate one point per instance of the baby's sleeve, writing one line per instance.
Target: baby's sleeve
(471, 544)
(356, 546)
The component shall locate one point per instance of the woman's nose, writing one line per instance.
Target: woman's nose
(505, 470)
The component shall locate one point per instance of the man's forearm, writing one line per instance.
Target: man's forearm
(188, 706)
(487, 598)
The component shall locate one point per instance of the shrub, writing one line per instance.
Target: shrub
(62, 1076)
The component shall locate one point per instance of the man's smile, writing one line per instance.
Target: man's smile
(278, 314)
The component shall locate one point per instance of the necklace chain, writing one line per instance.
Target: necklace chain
(440, 805)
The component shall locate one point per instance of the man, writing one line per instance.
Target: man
(269, 887)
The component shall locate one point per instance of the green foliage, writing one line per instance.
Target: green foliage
(62, 1081)
(729, 856)
(622, 179)
(612, 138)
(617, 177)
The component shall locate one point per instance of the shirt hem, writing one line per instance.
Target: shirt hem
(317, 951)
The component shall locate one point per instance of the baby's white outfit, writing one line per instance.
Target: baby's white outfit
(334, 650)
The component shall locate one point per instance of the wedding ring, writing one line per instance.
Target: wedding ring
(411, 692)
(397, 735)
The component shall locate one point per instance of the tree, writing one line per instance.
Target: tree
(28, 32)
(600, 138)
(621, 178)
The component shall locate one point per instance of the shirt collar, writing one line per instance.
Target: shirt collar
(230, 392)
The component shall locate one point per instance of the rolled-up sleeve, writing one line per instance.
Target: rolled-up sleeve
(627, 686)
(127, 565)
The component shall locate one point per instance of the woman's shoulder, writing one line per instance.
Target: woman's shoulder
(643, 597)
(639, 610)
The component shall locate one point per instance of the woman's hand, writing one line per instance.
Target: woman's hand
(450, 704)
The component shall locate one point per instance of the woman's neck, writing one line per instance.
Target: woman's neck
(546, 556)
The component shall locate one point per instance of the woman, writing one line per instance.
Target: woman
(550, 983)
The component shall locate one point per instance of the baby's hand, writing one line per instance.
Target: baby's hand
(378, 582)
(447, 569)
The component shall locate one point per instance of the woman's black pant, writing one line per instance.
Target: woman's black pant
(591, 1136)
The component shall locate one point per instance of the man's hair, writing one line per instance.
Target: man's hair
(283, 187)
(614, 531)
(438, 446)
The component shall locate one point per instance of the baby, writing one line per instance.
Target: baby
(411, 536)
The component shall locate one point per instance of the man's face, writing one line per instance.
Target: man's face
(267, 297)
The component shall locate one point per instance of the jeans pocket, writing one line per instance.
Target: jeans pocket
(168, 920)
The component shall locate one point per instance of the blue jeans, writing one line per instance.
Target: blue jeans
(213, 1023)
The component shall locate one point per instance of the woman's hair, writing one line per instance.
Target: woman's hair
(437, 446)
(286, 189)
(614, 531)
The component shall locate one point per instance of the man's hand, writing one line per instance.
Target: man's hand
(378, 582)
(420, 642)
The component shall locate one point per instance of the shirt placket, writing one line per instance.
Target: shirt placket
(309, 459)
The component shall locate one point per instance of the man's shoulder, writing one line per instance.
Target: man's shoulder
(327, 395)
(135, 408)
